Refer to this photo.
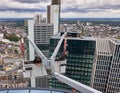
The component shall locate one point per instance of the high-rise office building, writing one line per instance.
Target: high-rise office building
(113, 85)
(29, 30)
(102, 64)
(79, 59)
(107, 66)
(53, 15)
(40, 33)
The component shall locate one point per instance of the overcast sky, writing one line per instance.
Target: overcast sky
(70, 8)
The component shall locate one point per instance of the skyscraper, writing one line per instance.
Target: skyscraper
(102, 64)
(29, 30)
(40, 33)
(53, 15)
(106, 66)
(79, 60)
(94, 62)
(113, 85)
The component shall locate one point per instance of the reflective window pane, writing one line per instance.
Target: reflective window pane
(39, 91)
(3, 91)
(18, 91)
(56, 92)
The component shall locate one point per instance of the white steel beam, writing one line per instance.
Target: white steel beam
(45, 61)
(74, 84)
(58, 47)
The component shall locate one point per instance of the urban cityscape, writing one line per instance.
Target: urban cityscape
(53, 53)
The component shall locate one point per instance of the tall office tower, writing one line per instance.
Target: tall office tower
(40, 33)
(57, 2)
(106, 66)
(29, 30)
(113, 85)
(53, 15)
(79, 60)
(102, 64)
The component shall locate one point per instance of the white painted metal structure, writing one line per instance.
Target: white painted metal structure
(50, 63)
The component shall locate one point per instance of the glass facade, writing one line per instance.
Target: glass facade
(54, 83)
(53, 44)
(79, 64)
(32, 90)
(80, 60)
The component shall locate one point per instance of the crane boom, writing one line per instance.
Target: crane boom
(52, 58)
(74, 84)
(78, 86)
(58, 47)
(45, 61)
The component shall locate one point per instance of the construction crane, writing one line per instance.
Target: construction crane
(49, 64)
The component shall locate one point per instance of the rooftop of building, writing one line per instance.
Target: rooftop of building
(74, 36)
(102, 47)
(43, 24)
(32, 90)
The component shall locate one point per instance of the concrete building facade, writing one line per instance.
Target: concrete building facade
(106, 66)
(40, 33)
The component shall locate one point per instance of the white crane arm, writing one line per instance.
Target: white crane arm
(45, 61)
(74, 84)
(58, 47)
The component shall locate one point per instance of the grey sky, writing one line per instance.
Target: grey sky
(75, 8)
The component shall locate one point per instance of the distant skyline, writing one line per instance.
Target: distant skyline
(70, 8)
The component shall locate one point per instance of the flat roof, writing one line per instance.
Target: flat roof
(58, 35)
(82, 38)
